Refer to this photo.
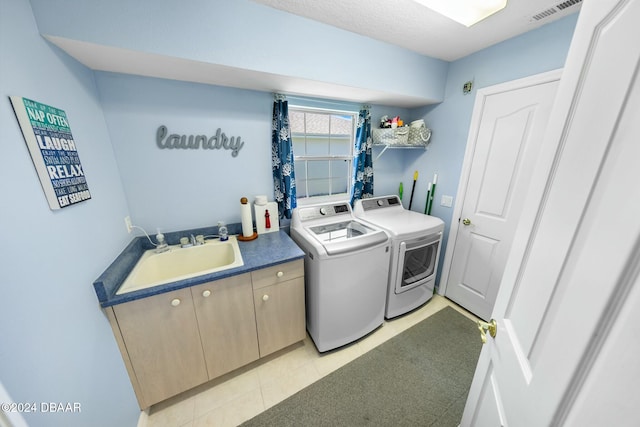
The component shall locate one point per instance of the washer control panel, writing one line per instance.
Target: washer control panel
(324, 211)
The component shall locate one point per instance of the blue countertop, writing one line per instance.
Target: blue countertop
(265, 251)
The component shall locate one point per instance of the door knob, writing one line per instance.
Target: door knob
(466, 221)
(492, 327)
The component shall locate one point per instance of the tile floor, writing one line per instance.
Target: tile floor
(239, 396)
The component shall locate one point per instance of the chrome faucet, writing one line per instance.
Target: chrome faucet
(187, 242)
(197, 240)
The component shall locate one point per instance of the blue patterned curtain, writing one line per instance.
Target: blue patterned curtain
(284, 181)
(363, 160)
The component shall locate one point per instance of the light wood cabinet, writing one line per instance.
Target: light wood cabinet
(278, 294)
(177, 340)
(162, 343)
(227, 323)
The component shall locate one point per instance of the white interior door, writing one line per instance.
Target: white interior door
(508, 123)
(9, 418)
(571, 283)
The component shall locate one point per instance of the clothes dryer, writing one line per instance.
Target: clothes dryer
(415, 250)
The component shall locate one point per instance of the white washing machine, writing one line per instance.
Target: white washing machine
(415, 251)
(346, 268)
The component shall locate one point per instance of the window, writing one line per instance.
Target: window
(323, 143)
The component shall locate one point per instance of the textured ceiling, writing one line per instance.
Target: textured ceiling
(407, 24)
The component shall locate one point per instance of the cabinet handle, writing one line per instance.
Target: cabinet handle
(265, 298)
(175, 302)
(279, 274)
(206, 293)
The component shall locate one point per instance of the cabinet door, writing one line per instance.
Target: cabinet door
(227, 323)
(162, 340)
(280, 315)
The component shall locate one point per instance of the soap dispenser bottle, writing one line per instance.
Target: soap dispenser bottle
(162, 245)
(223, 233)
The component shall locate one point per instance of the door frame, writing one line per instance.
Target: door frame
(10, 418)
(474, 128)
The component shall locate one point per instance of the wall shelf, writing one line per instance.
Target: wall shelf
(394, 146)
(404, 137)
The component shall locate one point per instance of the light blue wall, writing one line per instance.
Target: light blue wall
(175, 189)
(55, 343)
(535, 52)
(246, 35)
(178, 189)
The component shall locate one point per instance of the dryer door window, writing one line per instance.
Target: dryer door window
(418, 261)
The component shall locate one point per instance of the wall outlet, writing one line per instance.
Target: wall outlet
(446, 201)
(127, 223)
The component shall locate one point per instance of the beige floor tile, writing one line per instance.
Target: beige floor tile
(223, 393)
(172, 413)
(276, 391)
(380, 335)
(330, 361)
(279, 367)
(237, 411)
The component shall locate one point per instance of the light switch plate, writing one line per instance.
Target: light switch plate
(446, 201)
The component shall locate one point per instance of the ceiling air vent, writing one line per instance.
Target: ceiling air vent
(553, 10)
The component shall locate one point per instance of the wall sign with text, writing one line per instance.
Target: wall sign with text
(53, 152)
(219, 141)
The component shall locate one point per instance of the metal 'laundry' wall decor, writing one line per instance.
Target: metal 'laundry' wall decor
(218, 141)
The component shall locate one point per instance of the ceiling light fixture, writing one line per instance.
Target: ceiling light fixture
(466, 12)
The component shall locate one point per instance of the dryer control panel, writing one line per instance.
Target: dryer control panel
(380, 203)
